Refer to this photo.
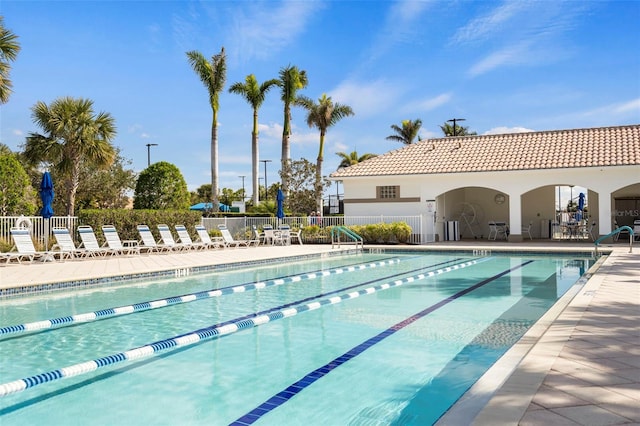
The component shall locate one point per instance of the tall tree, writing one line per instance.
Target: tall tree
(303, 191)
(74, 138)
(254, 94)
(323, 115)
(407, 133)
(352, 158)
(9, 48)
(17, 196)
(213, 75)
(447, 130)
(291, 80)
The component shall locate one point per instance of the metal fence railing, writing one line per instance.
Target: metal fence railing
(41, 229)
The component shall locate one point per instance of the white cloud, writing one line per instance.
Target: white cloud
(429, 104)
(258, 30)
(366, 99)
(510, 55)
(17, 132)
(504, 130)
(486, 25)
(631, 106)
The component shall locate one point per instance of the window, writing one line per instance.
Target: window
(387, 192)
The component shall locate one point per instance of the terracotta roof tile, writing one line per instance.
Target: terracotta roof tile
(593, 147)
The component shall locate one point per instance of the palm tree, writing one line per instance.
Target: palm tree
(9, 49)
(407, 133)
(74, 137)
(291, 80)
(254, 95)
(322, 115)
(212, 74)
(353, 158)
(447, 130)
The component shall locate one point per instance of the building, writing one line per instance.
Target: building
(509, 178)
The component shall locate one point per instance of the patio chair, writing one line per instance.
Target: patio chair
(90, 243)
(623, 232)
(167, 238)
(65, 246)
(205, 238)
(148, 241)
(296, 235)
(257, 234)
(23, 248)
(230, 242)
(112, 240)
(497, 230)
(636, 230)
(587, 232)
(526, 230)
(185, 239)
(271, 236)
(285, 235)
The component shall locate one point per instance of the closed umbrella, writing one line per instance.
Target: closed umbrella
(580, 206)
(280, 204)
(46, 195)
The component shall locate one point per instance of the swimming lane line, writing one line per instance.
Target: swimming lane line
(211, 332)
(286, 394)
(185, 298)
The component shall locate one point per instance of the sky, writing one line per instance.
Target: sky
(502, 66)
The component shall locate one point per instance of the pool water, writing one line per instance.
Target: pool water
(376, 339)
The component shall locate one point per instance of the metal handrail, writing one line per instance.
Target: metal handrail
(614, 232)
(335, 232)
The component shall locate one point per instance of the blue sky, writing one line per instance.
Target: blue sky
(503, 66)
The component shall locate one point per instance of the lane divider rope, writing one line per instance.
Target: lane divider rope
(208, 333)
(186, 298)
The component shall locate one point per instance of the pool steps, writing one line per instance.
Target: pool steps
(175, 300)
(211, 332)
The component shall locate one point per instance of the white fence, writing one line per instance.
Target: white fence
(237, 225)
(40, 227)
(240, 225)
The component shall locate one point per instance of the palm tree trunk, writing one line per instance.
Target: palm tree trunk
(214, 162)
(319, 173)
(286, 149)
(255, 157)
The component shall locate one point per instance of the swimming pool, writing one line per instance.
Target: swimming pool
(360, 339)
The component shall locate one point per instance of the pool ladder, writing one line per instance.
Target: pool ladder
(350, 237)
(611, 234)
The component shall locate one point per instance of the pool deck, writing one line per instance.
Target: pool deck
(579, 365)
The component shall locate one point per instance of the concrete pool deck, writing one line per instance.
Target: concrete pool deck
(579, 365)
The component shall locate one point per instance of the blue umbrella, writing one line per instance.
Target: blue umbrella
(580, 206)
(280, 202)
(208, 206)
(46, 195)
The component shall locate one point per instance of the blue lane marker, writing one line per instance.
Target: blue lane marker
(210, 332)
(284, 396)
(185, 298)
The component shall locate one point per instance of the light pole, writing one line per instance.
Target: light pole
(242, 177)
(149, 145)
(266, 186)
(454, 123)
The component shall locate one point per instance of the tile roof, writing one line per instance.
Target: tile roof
(557, 149)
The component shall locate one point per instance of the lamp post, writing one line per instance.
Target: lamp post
(454, 123)
(266, 186)
(149, 145)
(242, 177)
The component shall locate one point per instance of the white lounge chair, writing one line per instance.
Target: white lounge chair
(230, 242)
(23, 248)
(205, 238)
(185, 239)
(90, 243)
(112, 240)
(148, 241)
(65, 246)
(167, 238)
